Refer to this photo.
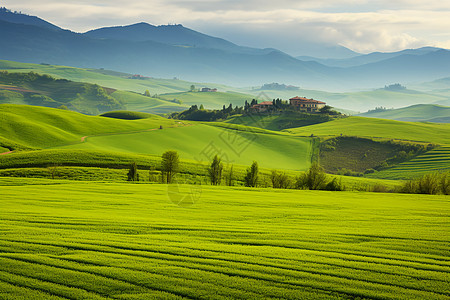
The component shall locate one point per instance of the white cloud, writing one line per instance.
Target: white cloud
(362, 25)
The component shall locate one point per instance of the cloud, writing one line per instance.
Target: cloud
(362, 25)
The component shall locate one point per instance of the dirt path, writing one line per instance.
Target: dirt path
(4, 153)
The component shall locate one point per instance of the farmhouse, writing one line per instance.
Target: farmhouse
(208, 90)
(306, 105)
(263, 106)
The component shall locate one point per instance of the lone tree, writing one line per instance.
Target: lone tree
(215, 171)
(133, 173)
(147, 93)
(251, 178)
(192, 88)
(169, 165)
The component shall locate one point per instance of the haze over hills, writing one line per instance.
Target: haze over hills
(414, 113)
(175, 51)
(358, 59)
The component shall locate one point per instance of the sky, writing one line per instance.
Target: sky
(289, 25)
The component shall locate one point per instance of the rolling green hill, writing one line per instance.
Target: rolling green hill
(35, 127)
(415, 113)
(379, 128)
(44, 90)
(199, 141)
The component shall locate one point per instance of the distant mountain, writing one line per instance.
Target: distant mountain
(19, 18)
(404, 68)
(368, 58)
(34, 44)
(176, 51)
(176, 35)
(415, 113)
(319, 52)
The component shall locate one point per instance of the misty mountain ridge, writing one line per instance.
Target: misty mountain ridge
(176, 51)
(20, 18)
(367, 58)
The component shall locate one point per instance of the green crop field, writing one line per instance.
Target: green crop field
(64, 240)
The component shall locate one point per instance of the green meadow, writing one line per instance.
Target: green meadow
(197, 141)
(65, 240)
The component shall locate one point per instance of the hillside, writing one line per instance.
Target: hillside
(379, 128)
(25, 127)
(415, 113)
(60, 129)
(44, 90)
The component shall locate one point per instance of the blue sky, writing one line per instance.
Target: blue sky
(361, 25)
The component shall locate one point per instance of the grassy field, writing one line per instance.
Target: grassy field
(96, 241)
(198, 141)
(379, 128)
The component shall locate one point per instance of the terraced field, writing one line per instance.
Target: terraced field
(434, 160)
(64, 240)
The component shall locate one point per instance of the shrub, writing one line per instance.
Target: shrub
(279, 180)
(314, 179)
(334, 185)
(432, 183)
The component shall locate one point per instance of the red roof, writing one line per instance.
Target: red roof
(303, 99)
(265, 103)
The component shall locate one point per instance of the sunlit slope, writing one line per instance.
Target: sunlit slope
(202, 142)
(128, 241)
(24, 126)
(379, 128)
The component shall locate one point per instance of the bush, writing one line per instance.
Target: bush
(314, 179)
(334, 185)
(279, 180)
(432, 183)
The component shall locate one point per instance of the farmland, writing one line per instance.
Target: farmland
(90, 240)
